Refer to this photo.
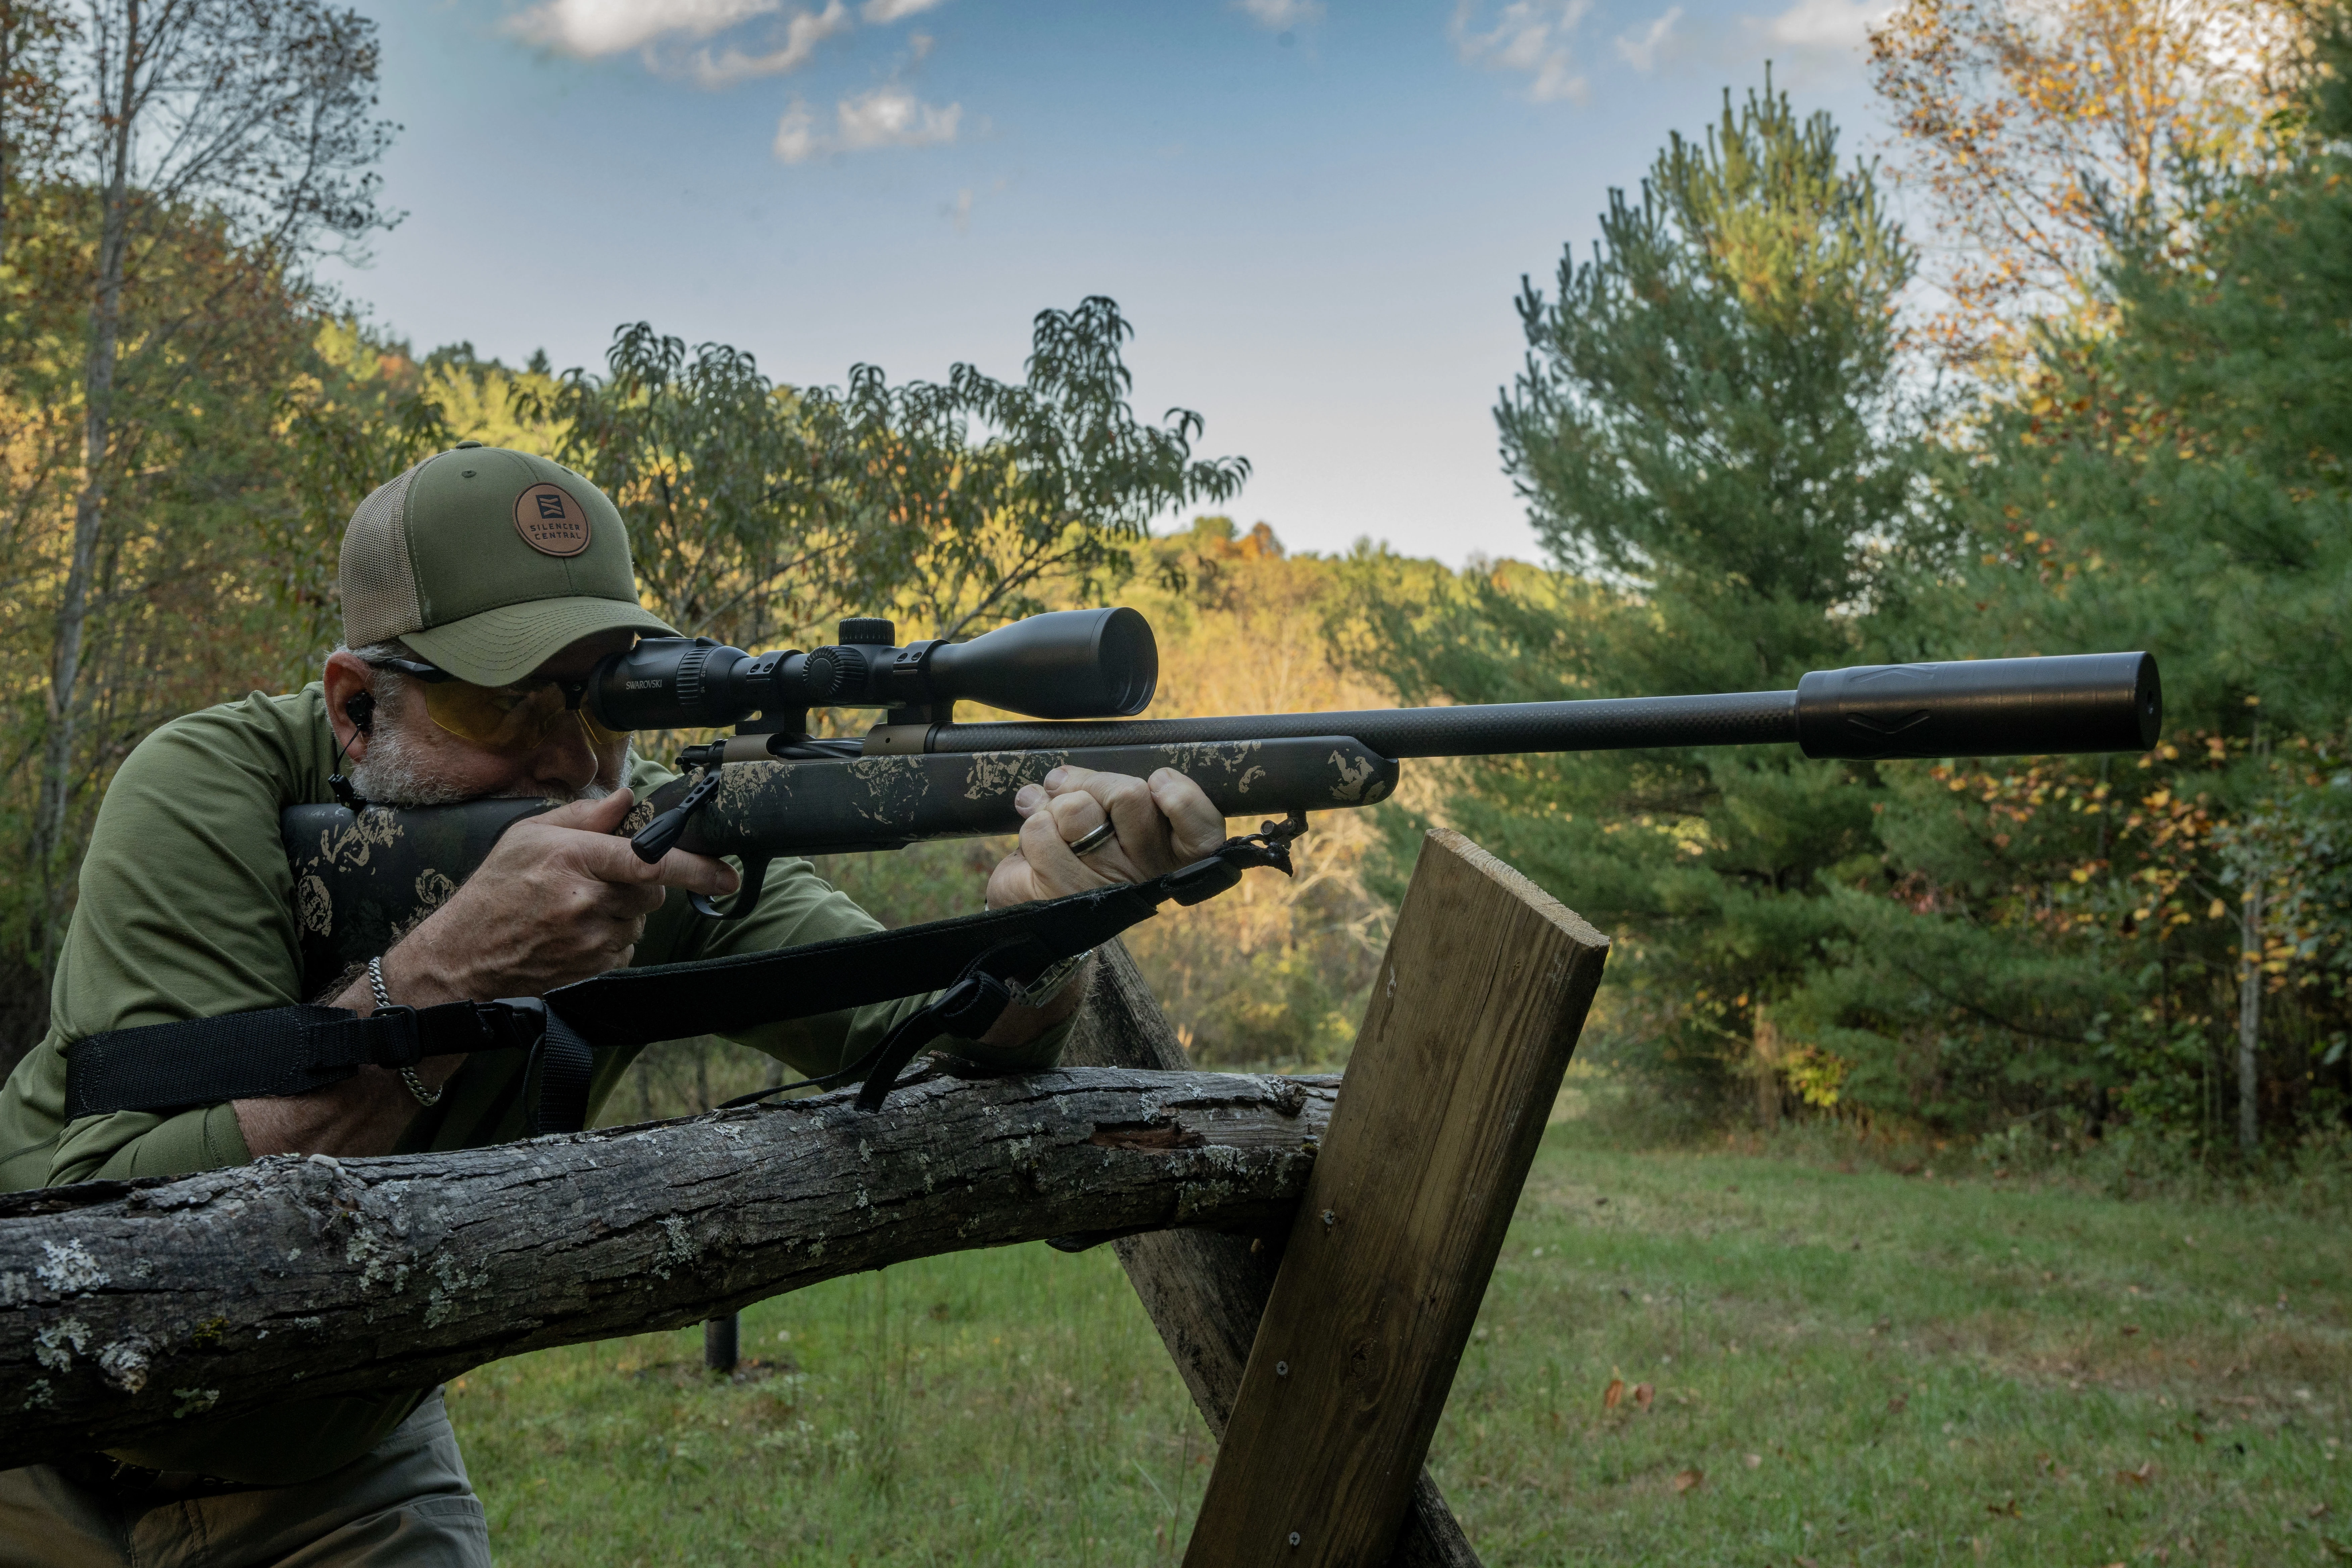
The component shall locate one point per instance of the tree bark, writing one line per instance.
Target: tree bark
(2250, 1017)
(89, 506)
(1205, 1290)
(127, 1307)
(7, 67)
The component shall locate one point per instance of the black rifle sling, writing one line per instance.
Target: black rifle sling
(975, 961)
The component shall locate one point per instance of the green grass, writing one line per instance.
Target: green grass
(1858, 1366)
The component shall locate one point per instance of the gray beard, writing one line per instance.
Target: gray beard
(394, 774)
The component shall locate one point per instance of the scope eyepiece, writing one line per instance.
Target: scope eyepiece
(1066, 664)
(667, 683)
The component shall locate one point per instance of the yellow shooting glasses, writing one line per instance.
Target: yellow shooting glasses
(517, 718)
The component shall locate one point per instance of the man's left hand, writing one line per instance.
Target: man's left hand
(1158, 825)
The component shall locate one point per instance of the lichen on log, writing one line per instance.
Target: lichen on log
(127, 1308)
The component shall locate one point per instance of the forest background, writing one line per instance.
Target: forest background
(2092, 395)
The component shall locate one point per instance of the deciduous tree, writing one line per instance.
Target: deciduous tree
(2025, 121)
(222, 144)
(762, 510)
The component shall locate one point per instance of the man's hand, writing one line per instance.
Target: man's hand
(1157, 826)
(559, 898)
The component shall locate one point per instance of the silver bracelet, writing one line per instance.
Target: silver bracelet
(425, 1097)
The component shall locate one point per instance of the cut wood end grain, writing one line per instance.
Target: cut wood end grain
(1574, 926)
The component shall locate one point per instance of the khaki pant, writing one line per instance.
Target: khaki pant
(406, 1503)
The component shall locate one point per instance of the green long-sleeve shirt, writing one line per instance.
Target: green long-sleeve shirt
(186, 910)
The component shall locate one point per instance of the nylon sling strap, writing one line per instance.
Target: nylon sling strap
(977, 962)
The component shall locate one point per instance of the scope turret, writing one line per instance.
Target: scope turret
(1066, 664)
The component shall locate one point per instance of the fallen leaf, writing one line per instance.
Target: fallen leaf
(2130, 1328)
(2137, 1477)
(1643, 1393)
(1895, 1406)
(2318, 1511)
(1615, 1392)
(2004, 1510)
(1686, 1479)
(1756, 1461)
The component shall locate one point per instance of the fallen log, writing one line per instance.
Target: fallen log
(126, 1307)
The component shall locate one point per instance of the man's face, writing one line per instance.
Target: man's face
(406, 759)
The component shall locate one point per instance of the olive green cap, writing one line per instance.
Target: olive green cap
(489, 563)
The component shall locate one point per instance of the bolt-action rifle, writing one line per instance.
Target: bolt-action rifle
(773, 789)
(363, 875)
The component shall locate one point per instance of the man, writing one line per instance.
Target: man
(510, 576)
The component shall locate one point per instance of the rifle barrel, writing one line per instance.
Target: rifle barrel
(1746, 718)
(1993, 707)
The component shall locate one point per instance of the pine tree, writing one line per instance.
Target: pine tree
(1713, 440)
(2102, 936)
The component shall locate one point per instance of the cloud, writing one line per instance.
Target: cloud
(1827, 25)
(888, 116)
(593, 27)
(803, 33)
(1281, 16)
(796, 138)
(1529, 38)
(1642, 53)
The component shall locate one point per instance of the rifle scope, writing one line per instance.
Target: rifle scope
(1066, 664)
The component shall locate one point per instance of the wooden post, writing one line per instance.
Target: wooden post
(1473, 1015)
(722, 1341)
(1205, 1289)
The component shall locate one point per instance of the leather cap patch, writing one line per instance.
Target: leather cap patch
(550, 522)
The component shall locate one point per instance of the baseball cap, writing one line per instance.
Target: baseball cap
(489, 563)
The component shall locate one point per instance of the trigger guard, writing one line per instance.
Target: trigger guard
(746, 896)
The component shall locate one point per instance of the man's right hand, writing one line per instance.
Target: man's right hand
(561, 898)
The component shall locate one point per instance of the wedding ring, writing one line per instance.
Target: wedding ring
(1093, 840)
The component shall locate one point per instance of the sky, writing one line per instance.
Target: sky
(1316, 212)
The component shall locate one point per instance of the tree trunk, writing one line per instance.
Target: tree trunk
(1766, 1066)
(8, 64)
(90, 505)
(2250, 1017)
(126, 1307)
